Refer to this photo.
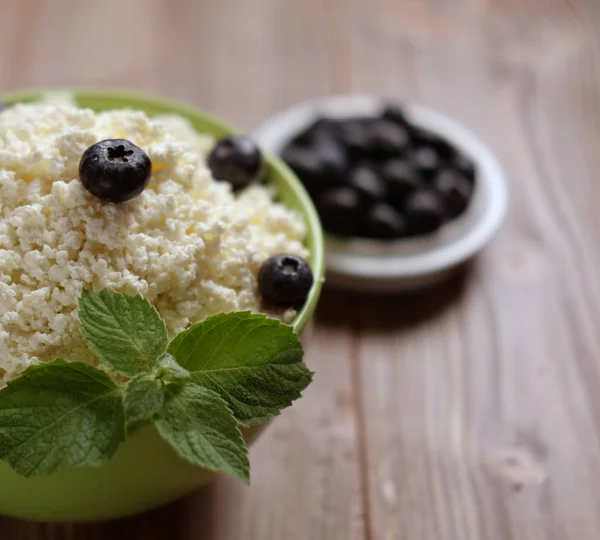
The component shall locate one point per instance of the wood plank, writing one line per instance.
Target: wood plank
(481, 421)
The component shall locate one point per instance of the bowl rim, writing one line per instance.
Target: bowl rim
(130, 98)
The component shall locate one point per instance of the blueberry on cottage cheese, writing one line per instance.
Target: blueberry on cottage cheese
(236, 160)
(285, 280)
(115, 170)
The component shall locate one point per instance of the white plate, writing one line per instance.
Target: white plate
(412, 263)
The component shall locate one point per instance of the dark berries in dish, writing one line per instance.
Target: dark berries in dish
(285, 280)
(341, 211)
(318, 127)
(332, 157)
(384, 222)
(395, 113)
(115, 170)
(401, 179)
(381, 176)
(426, 160)
(389, 139)
(307, 165)
(236, 160)
(357, 137)
(455, 191)
(368, 184)
(424, 212)
(464, 166)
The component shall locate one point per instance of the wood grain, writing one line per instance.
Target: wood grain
(469, 412)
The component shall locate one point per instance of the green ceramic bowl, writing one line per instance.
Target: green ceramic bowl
(145, 472)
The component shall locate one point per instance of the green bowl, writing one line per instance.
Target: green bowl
(145, 472)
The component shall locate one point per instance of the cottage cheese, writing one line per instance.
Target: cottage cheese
(186, 243)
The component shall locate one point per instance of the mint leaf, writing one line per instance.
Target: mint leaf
(144, 398)
(170, 371)
(125, 332)
(59, 415)
(198, 425)
(252, 362)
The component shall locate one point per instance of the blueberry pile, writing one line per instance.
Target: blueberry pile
(381, 177)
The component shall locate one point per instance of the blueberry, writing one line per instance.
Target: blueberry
(307, 165)
(332, 156)
(3, 106)
(395, 113)
(357, 136)
(341, 211)
(320, 125)
(115, 170)
(285, 280)
(236, 160)
(367, 184)
(426, 161)
(384, 222)
(423, 137)
(455, 190)
(401, 179)
(389, 139)
(424, 212)
(323, 125)
(464, 166)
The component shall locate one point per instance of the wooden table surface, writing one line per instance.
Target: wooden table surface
(470, 412)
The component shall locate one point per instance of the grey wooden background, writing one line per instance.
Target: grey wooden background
(471, 412)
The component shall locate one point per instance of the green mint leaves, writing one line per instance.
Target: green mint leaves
(230, 370)
(198, 424)
(125, 332)
(60, 415)
(144, 397)
(252, 362)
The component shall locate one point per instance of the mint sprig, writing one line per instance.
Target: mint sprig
(144, 397)
(232, 369)
(170, 371)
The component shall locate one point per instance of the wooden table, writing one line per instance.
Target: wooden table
(470, 412)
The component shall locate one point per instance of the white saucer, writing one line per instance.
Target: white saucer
(413, 263)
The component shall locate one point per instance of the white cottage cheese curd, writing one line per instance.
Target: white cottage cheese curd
(186, 243)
